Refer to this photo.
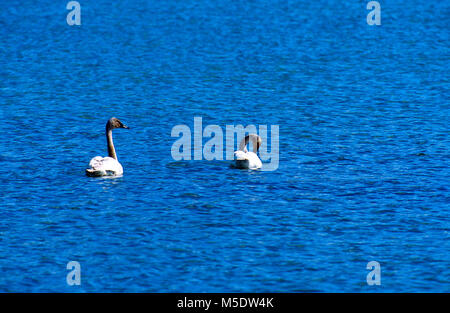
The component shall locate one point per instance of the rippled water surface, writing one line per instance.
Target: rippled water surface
(363, 113)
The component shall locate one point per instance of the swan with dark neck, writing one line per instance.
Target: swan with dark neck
(246, 159)
(112, 124)
(107, 166)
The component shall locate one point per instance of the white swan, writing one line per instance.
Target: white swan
(107, 166)
(247, 159)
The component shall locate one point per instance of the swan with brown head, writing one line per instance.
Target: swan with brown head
(107, 166)
(247, 159)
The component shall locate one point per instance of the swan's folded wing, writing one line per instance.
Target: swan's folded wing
(254, 161)
(106, 166)
(247, 160)
(240, 155)
(111, 165)
(96, 163)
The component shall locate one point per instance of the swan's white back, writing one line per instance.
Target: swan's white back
(249, 160)
(106, 166)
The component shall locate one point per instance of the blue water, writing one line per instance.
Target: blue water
(363, 176)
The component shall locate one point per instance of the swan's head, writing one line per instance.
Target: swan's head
(114, 123)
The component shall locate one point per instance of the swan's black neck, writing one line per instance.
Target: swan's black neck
(109, 140)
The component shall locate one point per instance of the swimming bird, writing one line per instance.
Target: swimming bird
(247, 159)
(107, 166)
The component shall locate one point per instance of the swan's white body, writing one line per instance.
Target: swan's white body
(247, 159)
(107, 166)
(104, 166)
